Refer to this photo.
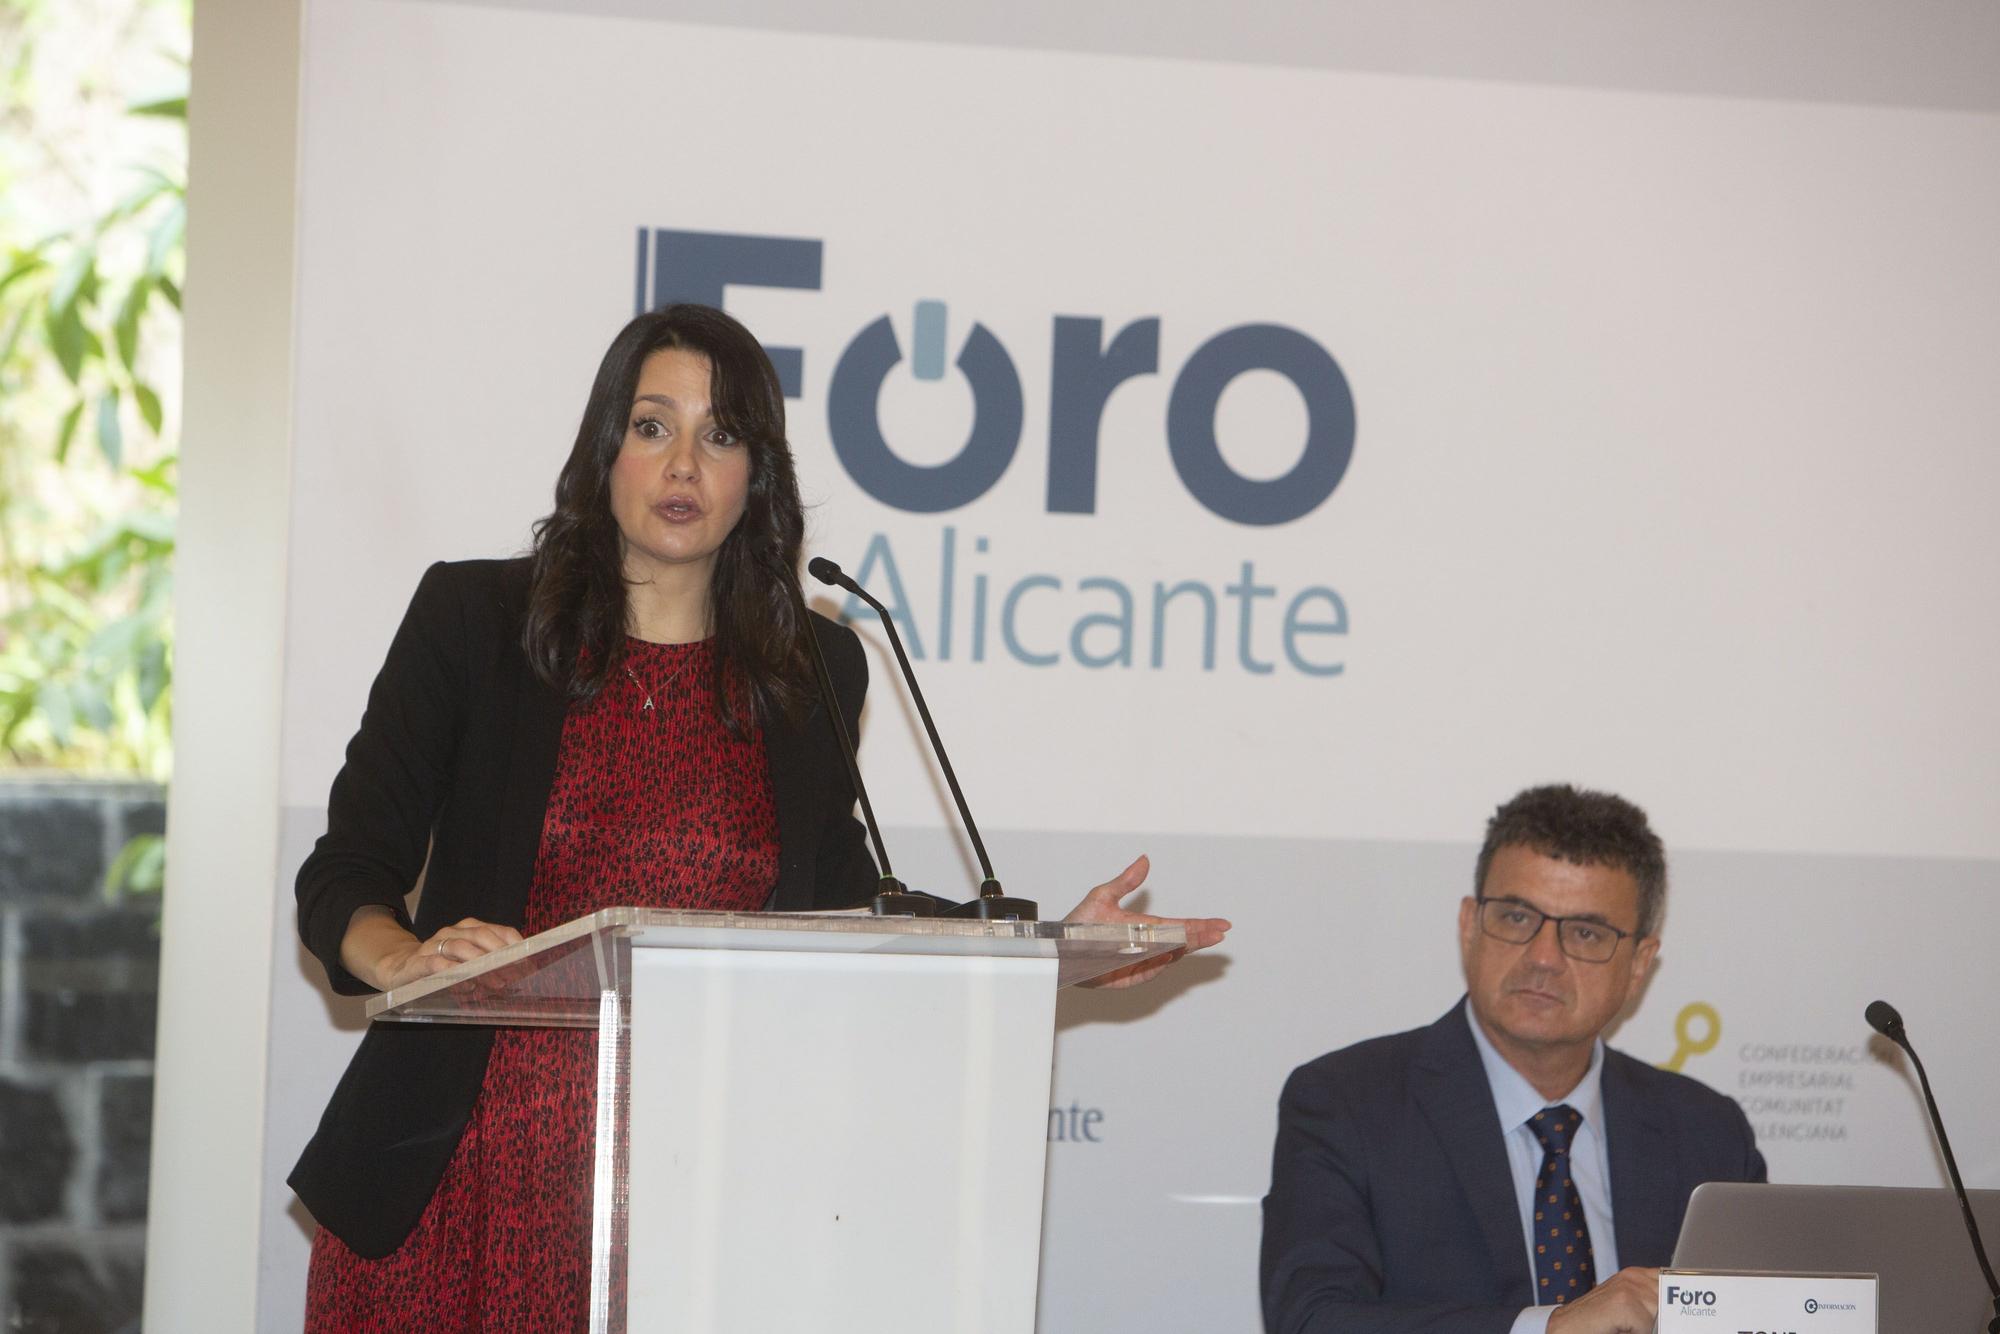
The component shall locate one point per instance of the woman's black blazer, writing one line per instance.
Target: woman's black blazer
(448, 778)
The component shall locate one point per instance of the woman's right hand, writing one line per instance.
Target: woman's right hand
(381, 953)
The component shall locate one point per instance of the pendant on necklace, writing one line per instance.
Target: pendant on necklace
(646, 709)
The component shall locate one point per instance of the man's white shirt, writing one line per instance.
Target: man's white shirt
(1589, 1158)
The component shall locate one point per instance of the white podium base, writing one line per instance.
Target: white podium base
(803, 1172)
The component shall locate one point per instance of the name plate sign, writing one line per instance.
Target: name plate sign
(1697, 1301)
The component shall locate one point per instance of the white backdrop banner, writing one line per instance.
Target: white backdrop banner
(1272, 470)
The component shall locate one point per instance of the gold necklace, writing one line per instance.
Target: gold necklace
(646, 709)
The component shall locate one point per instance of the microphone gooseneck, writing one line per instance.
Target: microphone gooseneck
(892, 897)
(1883, 1018)
(993, 901)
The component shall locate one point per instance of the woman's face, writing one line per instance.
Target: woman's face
(680, 482)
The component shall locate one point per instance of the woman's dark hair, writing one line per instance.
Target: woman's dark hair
(574, 634)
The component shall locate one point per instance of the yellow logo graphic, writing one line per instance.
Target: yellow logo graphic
(1686, 1041)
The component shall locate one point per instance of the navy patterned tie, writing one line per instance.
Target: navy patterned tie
(1563, 1268)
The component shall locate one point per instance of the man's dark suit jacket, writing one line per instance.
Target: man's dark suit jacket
(1392, 1206)
(449, 777)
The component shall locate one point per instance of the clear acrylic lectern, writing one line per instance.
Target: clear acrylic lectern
(832, 1123)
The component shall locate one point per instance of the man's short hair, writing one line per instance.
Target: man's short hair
(1587, 829)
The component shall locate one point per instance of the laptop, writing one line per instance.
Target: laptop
(1914, 1240)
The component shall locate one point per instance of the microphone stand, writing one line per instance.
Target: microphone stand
(1884, 1019)
(993, 901)
(893, 897)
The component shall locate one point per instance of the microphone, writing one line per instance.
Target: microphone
(1882, 1017)
(893, 898)
(993, 901)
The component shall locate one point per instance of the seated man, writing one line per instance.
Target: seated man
(1493, 1171)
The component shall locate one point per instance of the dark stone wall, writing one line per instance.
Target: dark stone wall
(79, 982)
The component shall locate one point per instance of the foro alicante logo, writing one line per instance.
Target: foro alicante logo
(1083, 371)
(1101, 619)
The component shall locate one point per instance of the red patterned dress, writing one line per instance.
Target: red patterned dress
(654, 805)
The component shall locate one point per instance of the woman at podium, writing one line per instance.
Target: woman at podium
(628, 716)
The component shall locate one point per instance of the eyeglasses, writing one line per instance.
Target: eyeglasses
(1584, 939)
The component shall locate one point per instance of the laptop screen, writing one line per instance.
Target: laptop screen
(1914, 1240)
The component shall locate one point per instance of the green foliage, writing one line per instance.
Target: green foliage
(86, 659)
(61, 291)
(89, 338)
(140, 867)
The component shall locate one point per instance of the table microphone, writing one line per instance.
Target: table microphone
(1882, 1017)
(892, 897)
(993, 901)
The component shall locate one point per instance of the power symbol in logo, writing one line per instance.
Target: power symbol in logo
(856, 426)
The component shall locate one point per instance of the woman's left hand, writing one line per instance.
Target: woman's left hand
(1102, 905)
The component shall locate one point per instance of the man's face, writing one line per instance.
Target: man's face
(1534, 996)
